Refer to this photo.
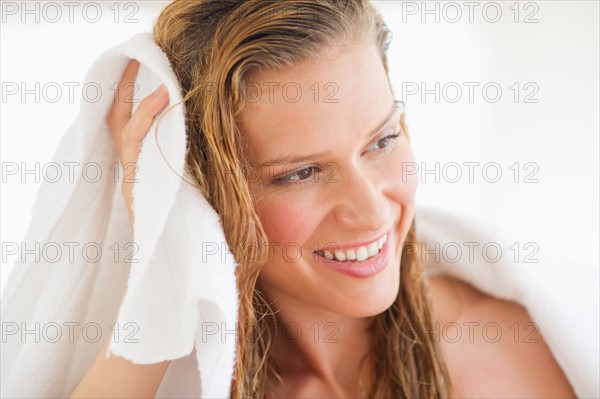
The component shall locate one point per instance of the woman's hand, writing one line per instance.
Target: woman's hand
(128, 130)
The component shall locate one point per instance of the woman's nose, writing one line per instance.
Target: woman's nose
(360, 202)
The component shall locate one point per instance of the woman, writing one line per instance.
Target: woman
(296, 140)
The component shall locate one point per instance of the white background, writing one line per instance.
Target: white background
(558, 54)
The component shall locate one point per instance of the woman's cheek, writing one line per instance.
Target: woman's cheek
(287, 220)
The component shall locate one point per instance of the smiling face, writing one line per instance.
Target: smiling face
(330, 181)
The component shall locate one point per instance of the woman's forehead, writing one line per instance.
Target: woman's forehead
(312, 99)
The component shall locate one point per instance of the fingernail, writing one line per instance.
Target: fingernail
(161, 89)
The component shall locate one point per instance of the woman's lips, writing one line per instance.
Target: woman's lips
(361, 268)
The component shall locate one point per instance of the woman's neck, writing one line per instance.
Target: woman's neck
(319, 344)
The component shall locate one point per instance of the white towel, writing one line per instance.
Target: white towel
(182, 301)
(178, 294)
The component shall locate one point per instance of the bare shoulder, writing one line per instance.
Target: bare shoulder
(492, 346)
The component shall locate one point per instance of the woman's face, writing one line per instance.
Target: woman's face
(325, 180)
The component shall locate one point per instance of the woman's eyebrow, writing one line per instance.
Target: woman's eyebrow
(286, 160)
(294, 160)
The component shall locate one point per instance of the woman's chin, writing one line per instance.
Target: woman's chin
(375, 300)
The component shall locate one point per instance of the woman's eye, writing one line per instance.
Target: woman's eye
(385, 142)
(299, 176)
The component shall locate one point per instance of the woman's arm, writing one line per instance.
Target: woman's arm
(116, 377)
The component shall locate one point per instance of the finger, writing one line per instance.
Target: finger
(120, 112)
(138, 126)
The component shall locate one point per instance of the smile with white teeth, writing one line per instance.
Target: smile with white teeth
(357, 254)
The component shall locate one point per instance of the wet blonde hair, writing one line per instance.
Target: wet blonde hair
(213, 45)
